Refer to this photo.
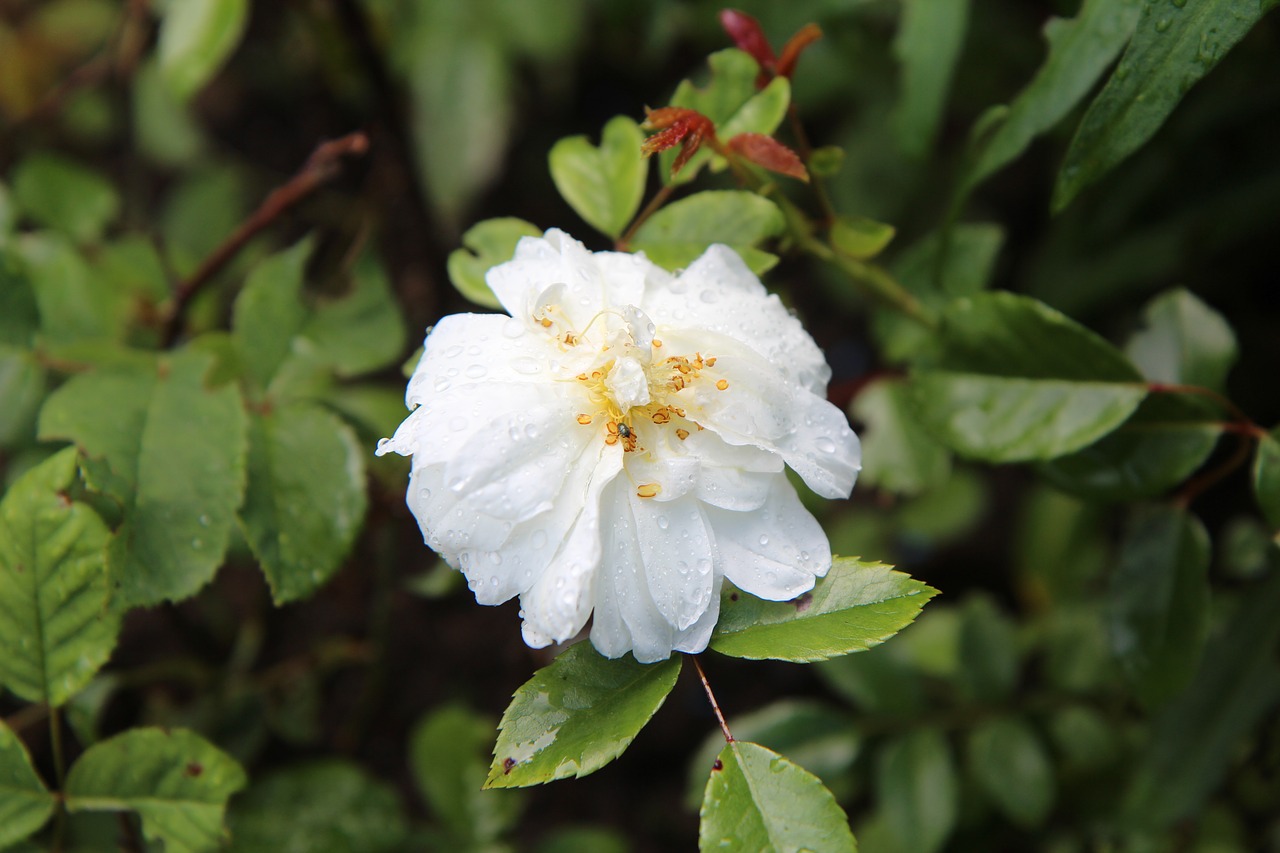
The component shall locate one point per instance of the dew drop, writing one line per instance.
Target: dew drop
(764, 539)
(513, 329)
(204, 521)
(382, 445)
(825, 444)
(197, 544)
(526, 365)
(458, 423)
(442, 384)
(496, 559)
(709, 296)
(662, 522)
(453, 351)
(530, 431)
(476, 371)
(473, 350)
(424, 494)
(538, 539)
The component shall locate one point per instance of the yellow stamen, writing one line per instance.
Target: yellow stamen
(648, 490)
(584, 419)
(722, 384)
(682, 434)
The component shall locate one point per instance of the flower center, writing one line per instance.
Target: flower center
(630, 387)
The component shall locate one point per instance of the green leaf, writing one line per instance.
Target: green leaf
(1185, 342)
(1021, 381)
(898, 455)
(165, 130)
(491, 242)
(1176, 43)
(22, 387)
(1080, 49)
(584, 840)
(73, 306)
(19, 311)
(856, 606)
(196, 39)
(758, 800)
(679, 233)
(25, 803)
(816, 736)
(860, 237)
(988, 651)
(927, 47)
(917, 789)
(460, 87)
(1159, 601)
(1162, 444)
(306, 496)
(361, 330)
(576, 715)
(63, 195)
(171, 451)
(1266, 477)
(879, 681)
(55, 625)
(603, 185)
(934, 270)
(175, 780)
(318, 806)
(269, 312)
(449, 757)
(1201, 733)
(1009, 762)
(732, 102)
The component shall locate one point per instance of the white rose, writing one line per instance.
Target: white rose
(618, 443)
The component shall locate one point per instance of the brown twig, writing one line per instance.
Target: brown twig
(322, 166)
(715, 706)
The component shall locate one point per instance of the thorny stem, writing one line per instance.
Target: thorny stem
(711, 697)
(322, 166)
(658, 200)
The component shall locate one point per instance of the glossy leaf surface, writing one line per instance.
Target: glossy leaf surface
(1159, 601)
(758, 800)
(1176, 43)
(576, 715)
(488, 244)
(55, 623)
(175, 780)
(679, 233)
(856, 606)
(171, 451)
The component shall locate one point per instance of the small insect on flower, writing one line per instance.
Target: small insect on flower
(590, 523)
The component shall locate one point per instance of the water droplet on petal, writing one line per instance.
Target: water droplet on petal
(764, 539)
(662, 522)
(513, 328)
(825, 444)
(442, 384)
(538, 539)
(530, 431)
(453, 351)
(458, 423)
(709, 296)
(476, 371)
(526, 365)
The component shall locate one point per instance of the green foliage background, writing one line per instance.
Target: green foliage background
(1084, 229)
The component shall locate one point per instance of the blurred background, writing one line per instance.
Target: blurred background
(1000, 721)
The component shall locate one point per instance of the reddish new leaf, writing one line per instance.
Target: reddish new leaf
(791, 51)
(677, 126)
(769, 153)
(749, 37)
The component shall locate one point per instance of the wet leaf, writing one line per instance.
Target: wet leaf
(576, 715)
(55, 623)
(856, 606)
(927, 47)
(758, 800)
(305, 500)
(1185, 342)
(1018, 381)
(175, 780)
(1159, 601)
(1176, 43)
(679, 233)
(171, 452)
